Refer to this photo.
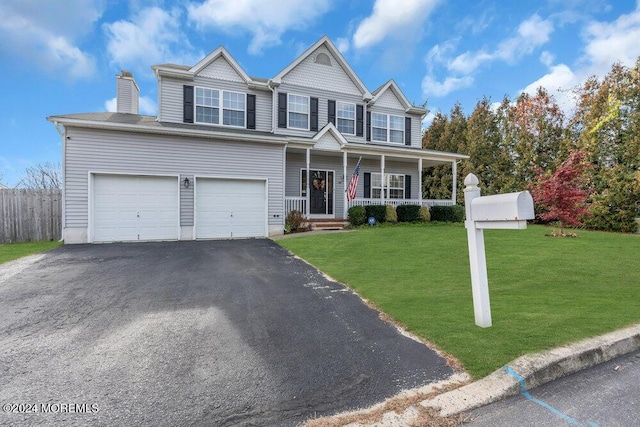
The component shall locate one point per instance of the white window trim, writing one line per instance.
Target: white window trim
(385, 185)
(388, 128)
(289, 95)
(355, 112)
(220, 108)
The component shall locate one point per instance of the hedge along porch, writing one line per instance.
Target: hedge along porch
(318, 174)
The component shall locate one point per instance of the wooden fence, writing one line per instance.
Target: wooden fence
(30, 215)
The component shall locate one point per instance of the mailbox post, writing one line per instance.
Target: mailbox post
(501, 211)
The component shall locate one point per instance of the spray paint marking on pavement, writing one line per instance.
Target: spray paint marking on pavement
(527, 395)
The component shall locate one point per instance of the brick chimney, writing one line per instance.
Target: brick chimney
(127, 93)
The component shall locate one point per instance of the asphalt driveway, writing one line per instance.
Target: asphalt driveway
(192, 333)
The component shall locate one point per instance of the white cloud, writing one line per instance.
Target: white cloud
(428, 119)
(605, 44)
(547, 58)
(342, 44)
(111, 105)
(146, 105)
(432, 87)
(396, 18)
(617, 41)
(532, 33)
(39, 33)
(267, 21)
(152, 36)
(558, 82)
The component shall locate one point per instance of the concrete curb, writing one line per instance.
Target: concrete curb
(537, 369)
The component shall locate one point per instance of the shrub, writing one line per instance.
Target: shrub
(425, 215)
(295, 219)
(408, 213)
(453, 213)
(376, 211)
(356, 215)
(390, 214)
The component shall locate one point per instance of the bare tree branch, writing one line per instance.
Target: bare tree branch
(47, 175)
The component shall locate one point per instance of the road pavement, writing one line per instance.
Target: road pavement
(604, 395)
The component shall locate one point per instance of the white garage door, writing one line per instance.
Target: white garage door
(230, 208)
(131, 208)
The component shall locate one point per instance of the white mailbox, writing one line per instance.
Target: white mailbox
(510, 210)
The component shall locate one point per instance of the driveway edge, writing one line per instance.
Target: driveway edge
(536, 369)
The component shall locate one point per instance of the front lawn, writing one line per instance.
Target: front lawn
(545, 291)
(11, 251)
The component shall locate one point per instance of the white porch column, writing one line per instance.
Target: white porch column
(308, 188)
(420, 181)
(382, 158)
(344, 184)
(454, 190)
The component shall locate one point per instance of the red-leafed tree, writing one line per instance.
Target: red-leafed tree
(561, 196)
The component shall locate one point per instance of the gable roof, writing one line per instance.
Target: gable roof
(393, 86)
(331, 129)
(366, 95)
(211, 57)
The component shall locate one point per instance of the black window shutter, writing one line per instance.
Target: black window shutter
(282, 110)
(359, 119)
(368, 125)
(367, 185)
(313, 125)
(407, 131)
(332, 111)
(407, 186)
(187, 99)
(251, 111)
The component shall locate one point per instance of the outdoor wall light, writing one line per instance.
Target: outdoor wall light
(187, 182)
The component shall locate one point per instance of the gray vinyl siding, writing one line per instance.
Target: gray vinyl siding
(186, 200)
(131, 153)
(323, 109)
(322, 77)
(171, 109)
(389, 100)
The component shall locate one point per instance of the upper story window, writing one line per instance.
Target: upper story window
(208, 107)
(298, 107)
(346, 117)
(387, 128)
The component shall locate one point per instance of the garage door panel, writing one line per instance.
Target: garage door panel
(130, 208)
(227, 208)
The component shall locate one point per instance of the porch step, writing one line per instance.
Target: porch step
(327, 224)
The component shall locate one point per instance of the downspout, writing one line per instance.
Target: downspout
(271, 87)
(62, 131)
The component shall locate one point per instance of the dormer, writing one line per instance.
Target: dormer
(392, 119)
(214, 92)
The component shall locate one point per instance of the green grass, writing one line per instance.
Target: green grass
(11, 251)
(545, 291)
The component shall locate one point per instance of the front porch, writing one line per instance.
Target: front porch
(387, 178)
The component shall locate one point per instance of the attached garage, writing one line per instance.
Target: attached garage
(134, 208)
(230, 208)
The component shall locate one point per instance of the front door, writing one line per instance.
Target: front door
(321, 188)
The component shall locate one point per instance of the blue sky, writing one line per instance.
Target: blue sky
(61, 56)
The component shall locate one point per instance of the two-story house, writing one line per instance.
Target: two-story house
(229, 155)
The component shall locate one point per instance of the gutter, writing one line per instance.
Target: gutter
(167, 131)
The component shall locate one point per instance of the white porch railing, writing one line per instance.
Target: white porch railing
(295, 204)
(397, 202)
(300, 203)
